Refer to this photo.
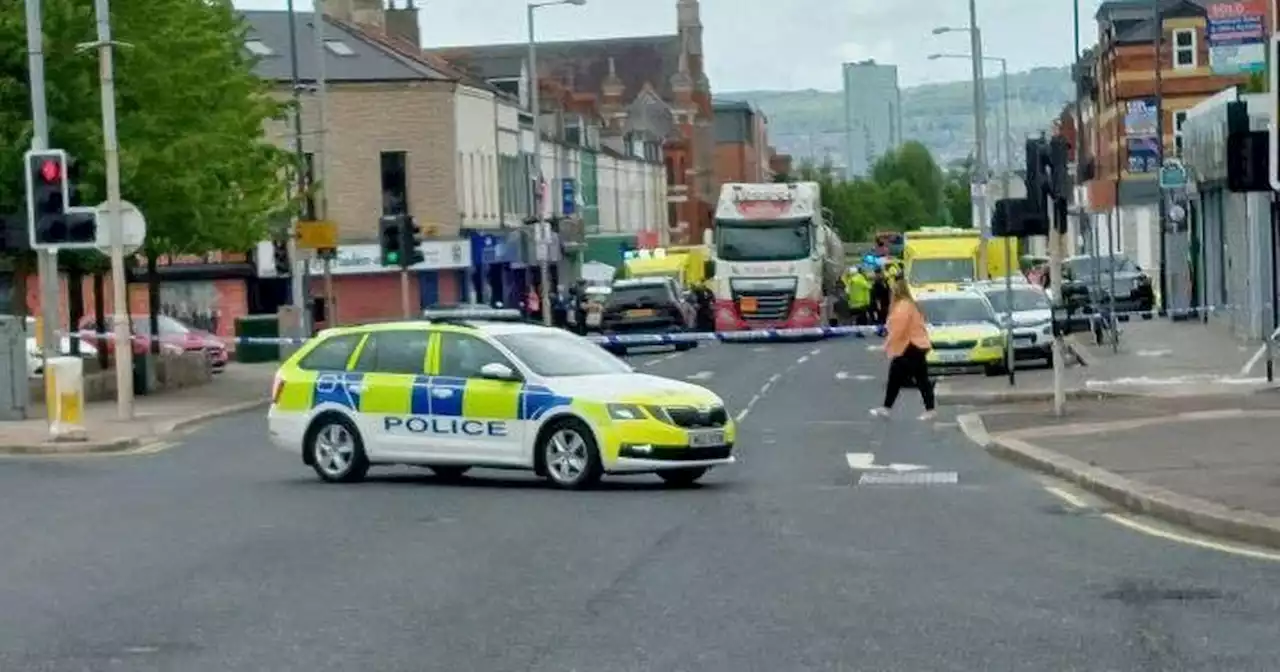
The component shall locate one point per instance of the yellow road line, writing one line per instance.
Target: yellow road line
(1153, 531)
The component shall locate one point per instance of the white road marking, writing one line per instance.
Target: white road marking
(802, 360)
(842, 375)
(701, 375)
(763, 348)
(814, 352)
(867, 462)
(1168, 535)
(872, 348)
(1257, 356)
(1154, 353)
(664, 358)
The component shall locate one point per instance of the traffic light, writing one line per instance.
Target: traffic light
(1059, 180)
(280, 255)
(389, 239)
(410, 242)
(51, 219)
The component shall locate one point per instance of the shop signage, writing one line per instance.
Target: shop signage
(437, 255)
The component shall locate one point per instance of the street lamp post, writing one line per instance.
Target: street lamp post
(1005, 187)
(980, 131)
(542, 230)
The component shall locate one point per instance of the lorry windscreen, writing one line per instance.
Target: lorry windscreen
(948, 271)
(778, 240)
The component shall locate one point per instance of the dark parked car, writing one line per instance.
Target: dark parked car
(1087, 284)
(647, 306)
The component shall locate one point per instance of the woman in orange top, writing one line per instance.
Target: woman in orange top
(907, 344)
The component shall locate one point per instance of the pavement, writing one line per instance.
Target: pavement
(240, 387)
(220, 553)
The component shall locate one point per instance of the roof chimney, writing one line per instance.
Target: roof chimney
(403, 22)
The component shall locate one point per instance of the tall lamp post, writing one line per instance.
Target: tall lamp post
(980, 129)
(542, 231)
(1004, 178)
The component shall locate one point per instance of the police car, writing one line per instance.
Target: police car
(452, 392)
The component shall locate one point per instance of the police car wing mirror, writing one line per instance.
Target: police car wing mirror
(496, 371)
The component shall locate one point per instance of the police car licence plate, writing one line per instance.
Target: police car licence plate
(951, 357)
(706, 439)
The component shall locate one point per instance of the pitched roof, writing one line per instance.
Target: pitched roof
(368, 60)
(583, 65)
(407, 49)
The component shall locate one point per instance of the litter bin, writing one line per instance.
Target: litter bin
(143, 373)
(257, 326)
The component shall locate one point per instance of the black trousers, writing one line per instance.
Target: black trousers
(909, 367)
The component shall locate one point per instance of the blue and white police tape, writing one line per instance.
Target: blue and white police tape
(735, 336)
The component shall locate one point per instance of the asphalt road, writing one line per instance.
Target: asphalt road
(221, 554)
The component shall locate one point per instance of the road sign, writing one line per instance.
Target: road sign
(135, 227)
(1173, 175)
(317, 235)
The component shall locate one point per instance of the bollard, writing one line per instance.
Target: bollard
(64, 398)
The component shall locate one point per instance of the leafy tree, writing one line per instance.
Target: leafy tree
(913, 164)
(905, 209)
(957, 195)
(190, 116)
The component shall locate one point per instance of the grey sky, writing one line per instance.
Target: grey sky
(783, 44)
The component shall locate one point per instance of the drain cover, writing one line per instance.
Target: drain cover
(909, 478)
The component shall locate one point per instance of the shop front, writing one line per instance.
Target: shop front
(365, 290)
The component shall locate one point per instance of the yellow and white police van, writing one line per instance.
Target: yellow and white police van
(467, 389)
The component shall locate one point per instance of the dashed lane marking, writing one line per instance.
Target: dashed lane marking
(814, 352)
(701, 375)
(802, 360)
(762, 348)
(1141, 527)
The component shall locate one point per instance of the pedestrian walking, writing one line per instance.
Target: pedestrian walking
(907, 344)
(880, 297)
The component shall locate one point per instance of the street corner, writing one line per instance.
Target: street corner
(70, 448)
(1193, 513)
(197, 419)
(954, 396)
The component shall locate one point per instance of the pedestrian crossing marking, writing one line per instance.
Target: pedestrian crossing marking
(910, 478)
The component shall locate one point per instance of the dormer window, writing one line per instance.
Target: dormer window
(339, 48)
(1184, 49)
(259, 48)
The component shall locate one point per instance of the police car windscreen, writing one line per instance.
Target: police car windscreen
(556, 354)
(955, 311)
(1021, 300)
(639, 295)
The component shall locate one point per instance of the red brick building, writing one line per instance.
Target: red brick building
(653, 86)
(743, 153)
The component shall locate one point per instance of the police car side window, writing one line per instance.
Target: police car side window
(402, 352)
(463, 356)
(331, 354)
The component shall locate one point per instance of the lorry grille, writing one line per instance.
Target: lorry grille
(769, 304)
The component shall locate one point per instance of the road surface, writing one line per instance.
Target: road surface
(219, 553)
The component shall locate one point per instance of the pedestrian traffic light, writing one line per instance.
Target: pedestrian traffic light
(410, 242)
(389, 239)
(280, 256)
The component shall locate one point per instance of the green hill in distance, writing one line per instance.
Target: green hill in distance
(809, 124)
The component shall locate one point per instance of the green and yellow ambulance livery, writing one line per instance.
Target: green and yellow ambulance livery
(450, 393)
(964, 331)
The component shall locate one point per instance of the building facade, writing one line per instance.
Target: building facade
(872, 114)
(645, 89)
(743, 153)
(1121, 145)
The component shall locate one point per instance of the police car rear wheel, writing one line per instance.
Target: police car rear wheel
(570, 456)
(337, 453)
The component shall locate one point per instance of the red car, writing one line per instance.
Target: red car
(175, 338)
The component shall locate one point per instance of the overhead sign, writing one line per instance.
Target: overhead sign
(365, 259)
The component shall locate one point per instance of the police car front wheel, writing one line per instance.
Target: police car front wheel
(336, 451)
(569, 455)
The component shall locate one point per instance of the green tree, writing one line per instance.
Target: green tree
(913, 164)
(957, 196)
(190, 113)
(905, 210)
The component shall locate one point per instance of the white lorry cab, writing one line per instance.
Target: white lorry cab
(776, 261)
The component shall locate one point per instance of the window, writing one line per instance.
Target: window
(309, 174)
(395, 185)
(956, 311)
(562, 354)
(1023, 300)
(463, 356)
(338, 48)
(403, 352)
(331, 354)
(1179, 118)
(259, 48)
(1184, 49)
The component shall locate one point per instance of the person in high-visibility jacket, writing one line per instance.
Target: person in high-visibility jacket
(859, 290)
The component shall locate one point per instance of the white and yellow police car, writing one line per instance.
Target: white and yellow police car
(456, 391)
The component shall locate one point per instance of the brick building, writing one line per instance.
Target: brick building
(642, 87)
(1118, 82)
(743, 153)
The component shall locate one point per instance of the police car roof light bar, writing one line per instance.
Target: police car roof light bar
(457, 314)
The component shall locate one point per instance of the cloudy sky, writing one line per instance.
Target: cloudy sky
(783, 44)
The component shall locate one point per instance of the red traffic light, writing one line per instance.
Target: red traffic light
(50, 171)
